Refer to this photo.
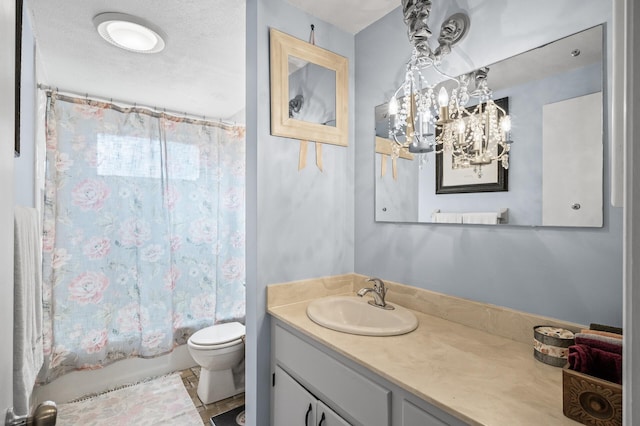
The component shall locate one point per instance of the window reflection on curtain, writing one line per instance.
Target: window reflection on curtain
(143, 232)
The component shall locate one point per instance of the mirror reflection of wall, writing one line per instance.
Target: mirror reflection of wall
(567, 69)
(312, 92)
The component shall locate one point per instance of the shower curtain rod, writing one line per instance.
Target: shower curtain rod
(154, 110)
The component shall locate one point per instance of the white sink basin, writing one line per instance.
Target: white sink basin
(352, 314)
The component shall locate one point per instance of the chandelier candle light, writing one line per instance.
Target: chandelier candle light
(420, 123)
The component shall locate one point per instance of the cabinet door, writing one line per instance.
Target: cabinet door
(414, 416)
(292, 404)
(325, 416)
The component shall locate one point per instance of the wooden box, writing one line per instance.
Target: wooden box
(589, 400)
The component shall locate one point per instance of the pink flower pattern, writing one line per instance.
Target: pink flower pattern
(152, 253)
(153, 339)
(90, 194)
(128, 259)
(88, 287)
(171, 278)
(129, 318)
(233, 269)
(175, 243)
(171, 197)
(203, 307)
(233, 199)
(63, 162)
(134, 233)
(202, 231)
(94, 341)
(59, 258)
(97, 248)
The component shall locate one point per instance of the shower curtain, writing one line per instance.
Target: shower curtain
(143, 233)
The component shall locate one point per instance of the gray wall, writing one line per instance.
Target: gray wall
(7, 25)
(570, 274)
(299, 223)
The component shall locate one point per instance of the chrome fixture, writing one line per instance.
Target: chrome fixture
(478, 135)
(426, 117)
(379, 291)
(44, 415)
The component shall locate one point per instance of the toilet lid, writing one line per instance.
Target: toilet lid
(218, 334)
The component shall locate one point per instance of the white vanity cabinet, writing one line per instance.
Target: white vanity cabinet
(293, 405)
(310, 379)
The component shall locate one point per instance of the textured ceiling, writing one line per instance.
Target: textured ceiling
(200, 72)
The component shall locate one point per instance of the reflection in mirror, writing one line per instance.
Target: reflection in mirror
(309, 91)
(312, 92)
(554, 96)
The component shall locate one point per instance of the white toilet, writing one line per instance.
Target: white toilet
(218, 349)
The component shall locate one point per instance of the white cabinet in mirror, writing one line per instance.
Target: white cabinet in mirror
(555, 176)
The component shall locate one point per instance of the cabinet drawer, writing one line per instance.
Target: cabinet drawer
(333, 382)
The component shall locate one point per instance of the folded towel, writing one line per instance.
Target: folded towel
(596, 362)
(603, 343)
(602, 333)
(438, 217)
(489, 218)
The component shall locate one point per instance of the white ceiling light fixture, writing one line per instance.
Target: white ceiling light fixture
(129, 32)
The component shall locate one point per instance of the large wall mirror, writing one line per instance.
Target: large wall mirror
(309, 87)
(555, 175)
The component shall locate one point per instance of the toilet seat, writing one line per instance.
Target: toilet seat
(219, 335)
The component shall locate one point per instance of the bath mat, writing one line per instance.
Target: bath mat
(160, 401)
(233, 417)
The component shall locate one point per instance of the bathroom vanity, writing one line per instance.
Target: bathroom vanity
(310, 381)
(460, 366)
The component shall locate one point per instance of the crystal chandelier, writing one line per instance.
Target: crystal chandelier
(422, 122)
(478, 135)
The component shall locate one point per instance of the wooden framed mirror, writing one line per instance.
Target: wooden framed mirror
(309, 91)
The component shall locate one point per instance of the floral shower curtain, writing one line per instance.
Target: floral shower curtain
(143, 232)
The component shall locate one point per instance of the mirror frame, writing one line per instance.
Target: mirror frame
(282, 46)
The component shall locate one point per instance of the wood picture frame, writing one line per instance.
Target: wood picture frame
(282, 123)
(498, 180)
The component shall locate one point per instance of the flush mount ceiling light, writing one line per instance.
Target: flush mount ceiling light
(129, 32)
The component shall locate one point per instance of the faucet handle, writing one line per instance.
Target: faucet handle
(378, 286)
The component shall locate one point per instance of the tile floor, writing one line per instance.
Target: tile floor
(190, 380)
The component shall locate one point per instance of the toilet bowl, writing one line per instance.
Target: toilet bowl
(218, 349)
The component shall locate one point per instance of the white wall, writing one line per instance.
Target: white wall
(299, 224)
(570, 274)
(7, 64)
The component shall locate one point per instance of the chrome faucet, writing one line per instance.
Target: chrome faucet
(379, 291)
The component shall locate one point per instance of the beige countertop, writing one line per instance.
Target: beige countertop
(475, 375)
